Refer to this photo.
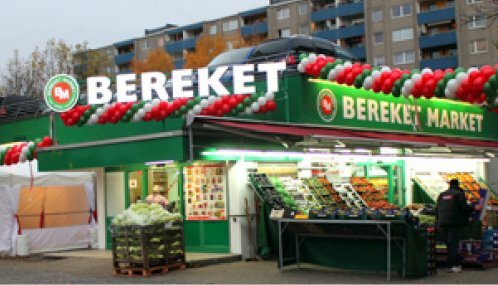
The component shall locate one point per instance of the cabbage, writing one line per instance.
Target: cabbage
(144, 214)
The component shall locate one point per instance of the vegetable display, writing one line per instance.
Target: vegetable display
(143, 214)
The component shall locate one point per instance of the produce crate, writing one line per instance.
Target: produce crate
(144, 250)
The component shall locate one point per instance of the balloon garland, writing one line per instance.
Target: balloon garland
(158, 110)
(21, 152)
(475, 86)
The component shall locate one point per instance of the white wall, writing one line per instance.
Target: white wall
(237, 191)
(114, 187)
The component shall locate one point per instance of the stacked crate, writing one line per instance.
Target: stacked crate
(430, 234)
(144, 250)
(265, 189)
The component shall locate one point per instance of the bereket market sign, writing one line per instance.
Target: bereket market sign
(339, 105)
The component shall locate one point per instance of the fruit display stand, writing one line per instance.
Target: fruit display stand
(370, 194)
(344, 233)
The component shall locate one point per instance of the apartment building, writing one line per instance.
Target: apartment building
(399, 33)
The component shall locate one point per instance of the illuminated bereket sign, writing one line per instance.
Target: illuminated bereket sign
(99, 87)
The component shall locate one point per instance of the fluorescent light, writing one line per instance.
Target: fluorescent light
(389, 150)
(159, 162)
(362, 150)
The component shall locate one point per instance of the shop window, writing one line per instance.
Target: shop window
(135, 185)
(402, 34)
(477, 22)
(401, 11)
(283, 14)
(378, 38)
(404, 57)
(164, 179)
(478, 46)
(377, 16)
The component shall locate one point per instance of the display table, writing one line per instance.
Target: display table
(369, 238)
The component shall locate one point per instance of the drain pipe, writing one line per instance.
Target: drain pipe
(52, 128)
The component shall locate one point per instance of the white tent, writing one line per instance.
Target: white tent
(44, 205)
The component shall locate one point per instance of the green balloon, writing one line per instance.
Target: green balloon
(324, 72)
(80, 123)
(302, 56)
(93, 108)
(396, 92)
(233, 112)
(405, 77)
(197, 100)
(413, 71)
(358, 82)
(176, 113)
(247, 101)
(459, 70)
(240, 107)
(493, 81)
(366, 72)
(129, 113)
(487, 89)
(135, 107)
(190, 104)
(183, 109)
(87, 113)
(254, 97)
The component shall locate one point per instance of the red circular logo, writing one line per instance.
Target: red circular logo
(327, 105)
(61, 92)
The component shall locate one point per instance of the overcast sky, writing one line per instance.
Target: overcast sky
(25, 24)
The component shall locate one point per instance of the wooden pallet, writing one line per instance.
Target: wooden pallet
(179, 266)
(137, 272)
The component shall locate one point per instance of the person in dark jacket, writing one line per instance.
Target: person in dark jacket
(453, 214)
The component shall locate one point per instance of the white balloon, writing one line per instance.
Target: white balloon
(332, 74)
(255, 106)
(496, 101)
(300, 67)
(190, 112)
(376, 74)
(106, 106)
(270, 96)
(304, 62)
(408, 85)
(135, 119)
(155, 102)
(204, 103)
(416, 77)
(261, 101)
(148, 107)
(24, 150)
(22, 158)
(94, 118)
(385, 69)
(322, 56)
(461, 77)
(448, 93)
(339, 68)
(472, 69)
(452, 85)
(197, 109)
(426, 70)
(140, 113)
(248, 111)
(99, 111)
(211, 99)
(348, 64)
(367, 84)
(312, 58)
(404, 91)
(31, 144)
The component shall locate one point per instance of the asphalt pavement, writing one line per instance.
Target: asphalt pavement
(86, 270)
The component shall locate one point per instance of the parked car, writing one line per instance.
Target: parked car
(229, 58)
(289, 48)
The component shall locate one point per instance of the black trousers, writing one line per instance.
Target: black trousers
(452, 236)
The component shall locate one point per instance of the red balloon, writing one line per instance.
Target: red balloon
(211, 109)
(219, 113)
(487, 73)
(385, 75)
(426, 76)
(225, 108)
(163, 105)
(449, 70)
(217, 104)
(377, 85)
(465, 85)
(386, 86)
(232, 102)
(270, 105)
(350, 78)
(478, 84)
(367, 66)
(47, 141)
(308, 69)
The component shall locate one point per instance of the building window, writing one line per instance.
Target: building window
(284, 33)
(474, 1)
(213, 30)
(377, 16)
(303, 9)
(283, 14)
(230, 25)
(478, 46)
(404, 57)
(146, 45)
(401, 11)
(379, 60)
(403, 35)
(378, 38)
(477, 22)
(160, 42)
(304, 29)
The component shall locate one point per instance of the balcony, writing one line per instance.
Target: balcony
(358, 52)
(342, 33)
(178, 63)
(442, 39)
(440, 63)
(253, 12)
(342, 10)
(174, 47)
(439, 15)
(124, 58)
(124, 43)
(256, 29)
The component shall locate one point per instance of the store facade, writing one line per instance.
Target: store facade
(319, 129)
